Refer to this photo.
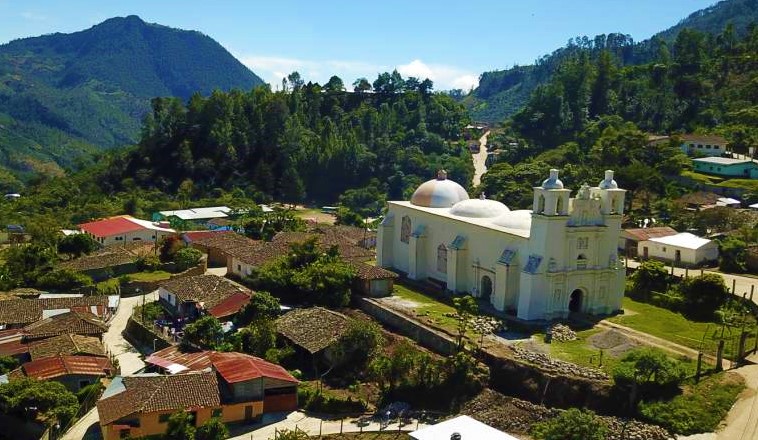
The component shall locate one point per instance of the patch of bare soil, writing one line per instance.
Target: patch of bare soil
(401, 304)
(613, 342)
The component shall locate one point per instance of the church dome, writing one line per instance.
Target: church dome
(439, 193)
(608, 182)
(479, 208)
(552, 182)
(521, 219)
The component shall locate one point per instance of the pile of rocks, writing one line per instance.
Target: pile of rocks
(562, 333)
(619, 429)
(558, 367)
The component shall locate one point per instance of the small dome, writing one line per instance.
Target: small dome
(608, 182)
(479, 208)
(521, 219)
(438, 193)
(552, 182)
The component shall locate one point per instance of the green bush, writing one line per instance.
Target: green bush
(323, 401)
(63, 279)
(572, 424)
(186, 258)
(147, 263)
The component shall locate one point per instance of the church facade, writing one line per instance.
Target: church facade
(541, 264)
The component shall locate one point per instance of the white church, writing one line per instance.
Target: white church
(541, 264)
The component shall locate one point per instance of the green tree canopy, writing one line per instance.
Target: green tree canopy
(572, 424)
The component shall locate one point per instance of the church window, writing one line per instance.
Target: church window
(405, 230)
(541, 204)
(581, 262)
(559, 206)
(442, 258)
(582, 243)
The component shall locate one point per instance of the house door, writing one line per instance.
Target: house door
(644, 252)
(678, 256)
(249, 412)
(486, 288)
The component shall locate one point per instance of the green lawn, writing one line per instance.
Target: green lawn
(702, 178)
(748, 184)
(579, 352)
(430, 309)
(157, 275)
(674, 327)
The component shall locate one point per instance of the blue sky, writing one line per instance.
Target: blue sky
(451, 42)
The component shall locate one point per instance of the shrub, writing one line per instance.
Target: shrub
(650, 276)
(572, 424)
(169, 247)
(186, 258)
(7, 364)
(147, 263)
(63, 279)
(703, 295)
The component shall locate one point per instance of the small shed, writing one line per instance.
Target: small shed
(630, 238)
(683, 250)
(313, 332)
(373, 281)
(465, 427)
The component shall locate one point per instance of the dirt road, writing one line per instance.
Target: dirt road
(479, 160)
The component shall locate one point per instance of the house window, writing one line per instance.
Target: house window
(581, 262)
(405, 229)
(123, 433)
(442, 258)
(217, 412)
(664, 248)
(707, 147)
(163, 418)
(239, 268)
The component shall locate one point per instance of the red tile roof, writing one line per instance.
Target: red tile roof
(230, 305)
(193, 236)
(66, 323)
(11, 342)
(110, 226)
(233, 367)
(57, 366)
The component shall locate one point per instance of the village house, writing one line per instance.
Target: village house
(698, 200)
(373, 281)
(682, 250)
(540, 264)
(80, 323)
(217, 245)
(187, 218)
(703, 145)
(630, 238)
(66, 344)
(726, 167)
(111, 261)
(75, 372)
(191, 297)
(314, 333)
(18, 313)
(125, 229)
(235, 388)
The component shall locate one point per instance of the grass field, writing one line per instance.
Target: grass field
(748, 184)
(157, 275)
(429, 308)
(702, 178)
(674, 327)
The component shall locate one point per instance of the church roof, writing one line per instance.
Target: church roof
(516, 223)
(439, 193)
(479, 208)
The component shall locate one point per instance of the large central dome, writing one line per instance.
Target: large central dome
(439, 193)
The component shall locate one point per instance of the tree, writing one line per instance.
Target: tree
(572, 424)
(647, 366)
(63, 279)
(7, 364)
(733, 255)
(205, 333)
(650, 276)
(257, 338)
(703, 295)
(361, 85)
(213, 429)
(76, 245)
(335, 84)
(360, 342)
(466, 309)
(187, 257)
(25, 397)
(170, 245)
(262, 305)
(180, 426)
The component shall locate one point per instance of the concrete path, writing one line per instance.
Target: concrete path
(314, 425)
(741, 284)
(128, 357)
(480, 159)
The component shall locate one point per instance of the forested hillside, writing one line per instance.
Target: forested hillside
(305, 143)
(65, 96)
(502, 93)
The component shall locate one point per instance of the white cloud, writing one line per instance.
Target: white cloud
(33, 16)
(273, 69)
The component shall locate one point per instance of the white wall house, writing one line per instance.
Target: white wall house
(124, 229)
(683, 249)
(561, 256)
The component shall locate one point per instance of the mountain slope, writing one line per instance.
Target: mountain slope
(502, 93)
(63, 96)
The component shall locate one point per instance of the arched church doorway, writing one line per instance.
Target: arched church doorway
(575, 301)
(486, 288)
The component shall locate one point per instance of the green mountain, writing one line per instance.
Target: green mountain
(64, 97)
(501, 93)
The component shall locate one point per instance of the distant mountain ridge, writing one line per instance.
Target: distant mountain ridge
(64, 96)
(501, 93)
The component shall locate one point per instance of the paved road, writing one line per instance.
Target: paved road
(128, 357)
(314, 425)
(479, 160)
(741, 284)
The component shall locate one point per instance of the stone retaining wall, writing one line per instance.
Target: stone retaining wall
(142, 337)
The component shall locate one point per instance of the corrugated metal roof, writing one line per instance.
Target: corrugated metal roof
(56, 366)
(683, 240)
(119, 225)
(230, 305)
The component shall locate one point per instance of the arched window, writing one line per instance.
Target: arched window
(541, 204)
(405, 229)
(581, 262)
(442, 258)
(559, 206)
